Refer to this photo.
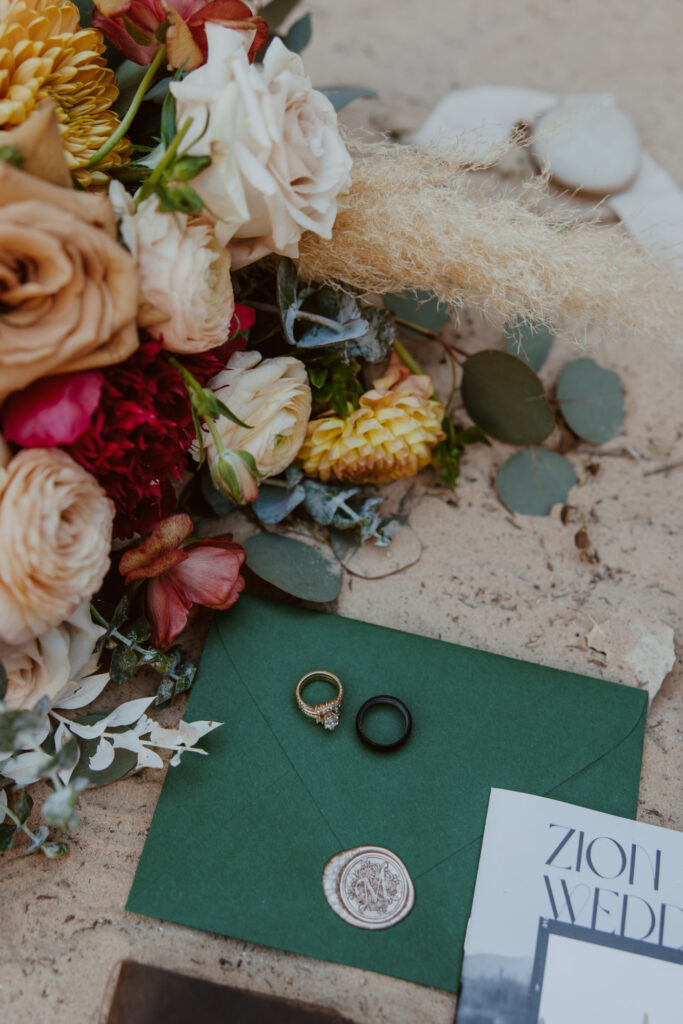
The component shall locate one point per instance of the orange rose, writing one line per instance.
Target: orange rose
(68, 290)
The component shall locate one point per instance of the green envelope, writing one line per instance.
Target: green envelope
(240, 838)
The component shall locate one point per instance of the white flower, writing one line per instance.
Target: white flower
(59, 665)
(274, 398)
(184, 273)
(277, 159)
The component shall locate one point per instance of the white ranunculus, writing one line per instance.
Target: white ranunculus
(184, 273)
(271, 395)
(277, 159)
(59, 665)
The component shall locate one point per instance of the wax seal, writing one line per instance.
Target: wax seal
(368, 887)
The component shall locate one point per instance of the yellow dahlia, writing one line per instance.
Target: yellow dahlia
(45, 54)
(390, 435)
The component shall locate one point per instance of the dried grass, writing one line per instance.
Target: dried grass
(419, 219)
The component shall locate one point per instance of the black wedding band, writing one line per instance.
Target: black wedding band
(393, 702)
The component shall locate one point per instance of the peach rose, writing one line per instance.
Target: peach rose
(185, 275)
(59, 665)
(56, 528)
(69, 291)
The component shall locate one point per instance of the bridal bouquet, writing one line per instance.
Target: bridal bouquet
(187, 251)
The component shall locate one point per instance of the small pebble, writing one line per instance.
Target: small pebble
(588, 144)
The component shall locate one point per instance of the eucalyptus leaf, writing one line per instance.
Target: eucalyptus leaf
(504, 397)
(534, 480)
(59, 808)
(275, 12)
(305, 570)
(124, 662)
(324, 503)
(530, 342)
(592, 400)
(20, 729)
(341, 95)
(275, 503)
(420, 308)
(299, 35)
(123, 763)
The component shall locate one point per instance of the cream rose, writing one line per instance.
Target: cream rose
(59, 665)
(184, 274)
(277, 159)
(68, 290)
(274, 398)
(56, 528)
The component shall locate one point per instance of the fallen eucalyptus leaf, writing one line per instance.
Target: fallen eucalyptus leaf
(591, 399)
(530, 342)
(372, 561)
(534, 480)
(301, 568)
(504, 397)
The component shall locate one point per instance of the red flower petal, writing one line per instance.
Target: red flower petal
(211, 575)
(231, 14)
(53, 410)
(166, 609)
(244, 317)
(159, 552)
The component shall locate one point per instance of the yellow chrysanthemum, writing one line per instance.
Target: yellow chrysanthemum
(45, 54)
(390, 435)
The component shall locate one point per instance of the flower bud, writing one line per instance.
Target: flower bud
(234, 473)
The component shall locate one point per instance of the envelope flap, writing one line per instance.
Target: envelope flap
(479, 720)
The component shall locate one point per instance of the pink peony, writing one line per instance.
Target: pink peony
(180, 574)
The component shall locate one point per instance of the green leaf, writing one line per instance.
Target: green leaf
(534, 480)
(299, 35)
(341, 95)
(165, 691)
(11, 155)
(446, 454)
(420, 308)
(7, 835)
(277, 11)
(140, 631)
(39, 836)
(310, 572)
(182, 198)
(188, 167)
(23, 807)
(124, 662)
(3, 681)
(123, 764)
(505, 398)
(169, 126)
(592, 400)
(85, 12)
(66, 757)
(55, 850)
(530, 342)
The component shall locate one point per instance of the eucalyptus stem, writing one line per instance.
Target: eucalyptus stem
(132, 109)
(22, 825)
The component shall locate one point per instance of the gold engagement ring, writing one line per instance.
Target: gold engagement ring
(326, 714)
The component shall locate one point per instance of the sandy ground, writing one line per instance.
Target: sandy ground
(511, 584)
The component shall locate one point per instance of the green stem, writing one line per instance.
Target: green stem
(132, 109)
(168, 157)
(405, 356)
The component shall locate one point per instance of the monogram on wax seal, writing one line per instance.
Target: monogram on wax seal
(368, 887)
